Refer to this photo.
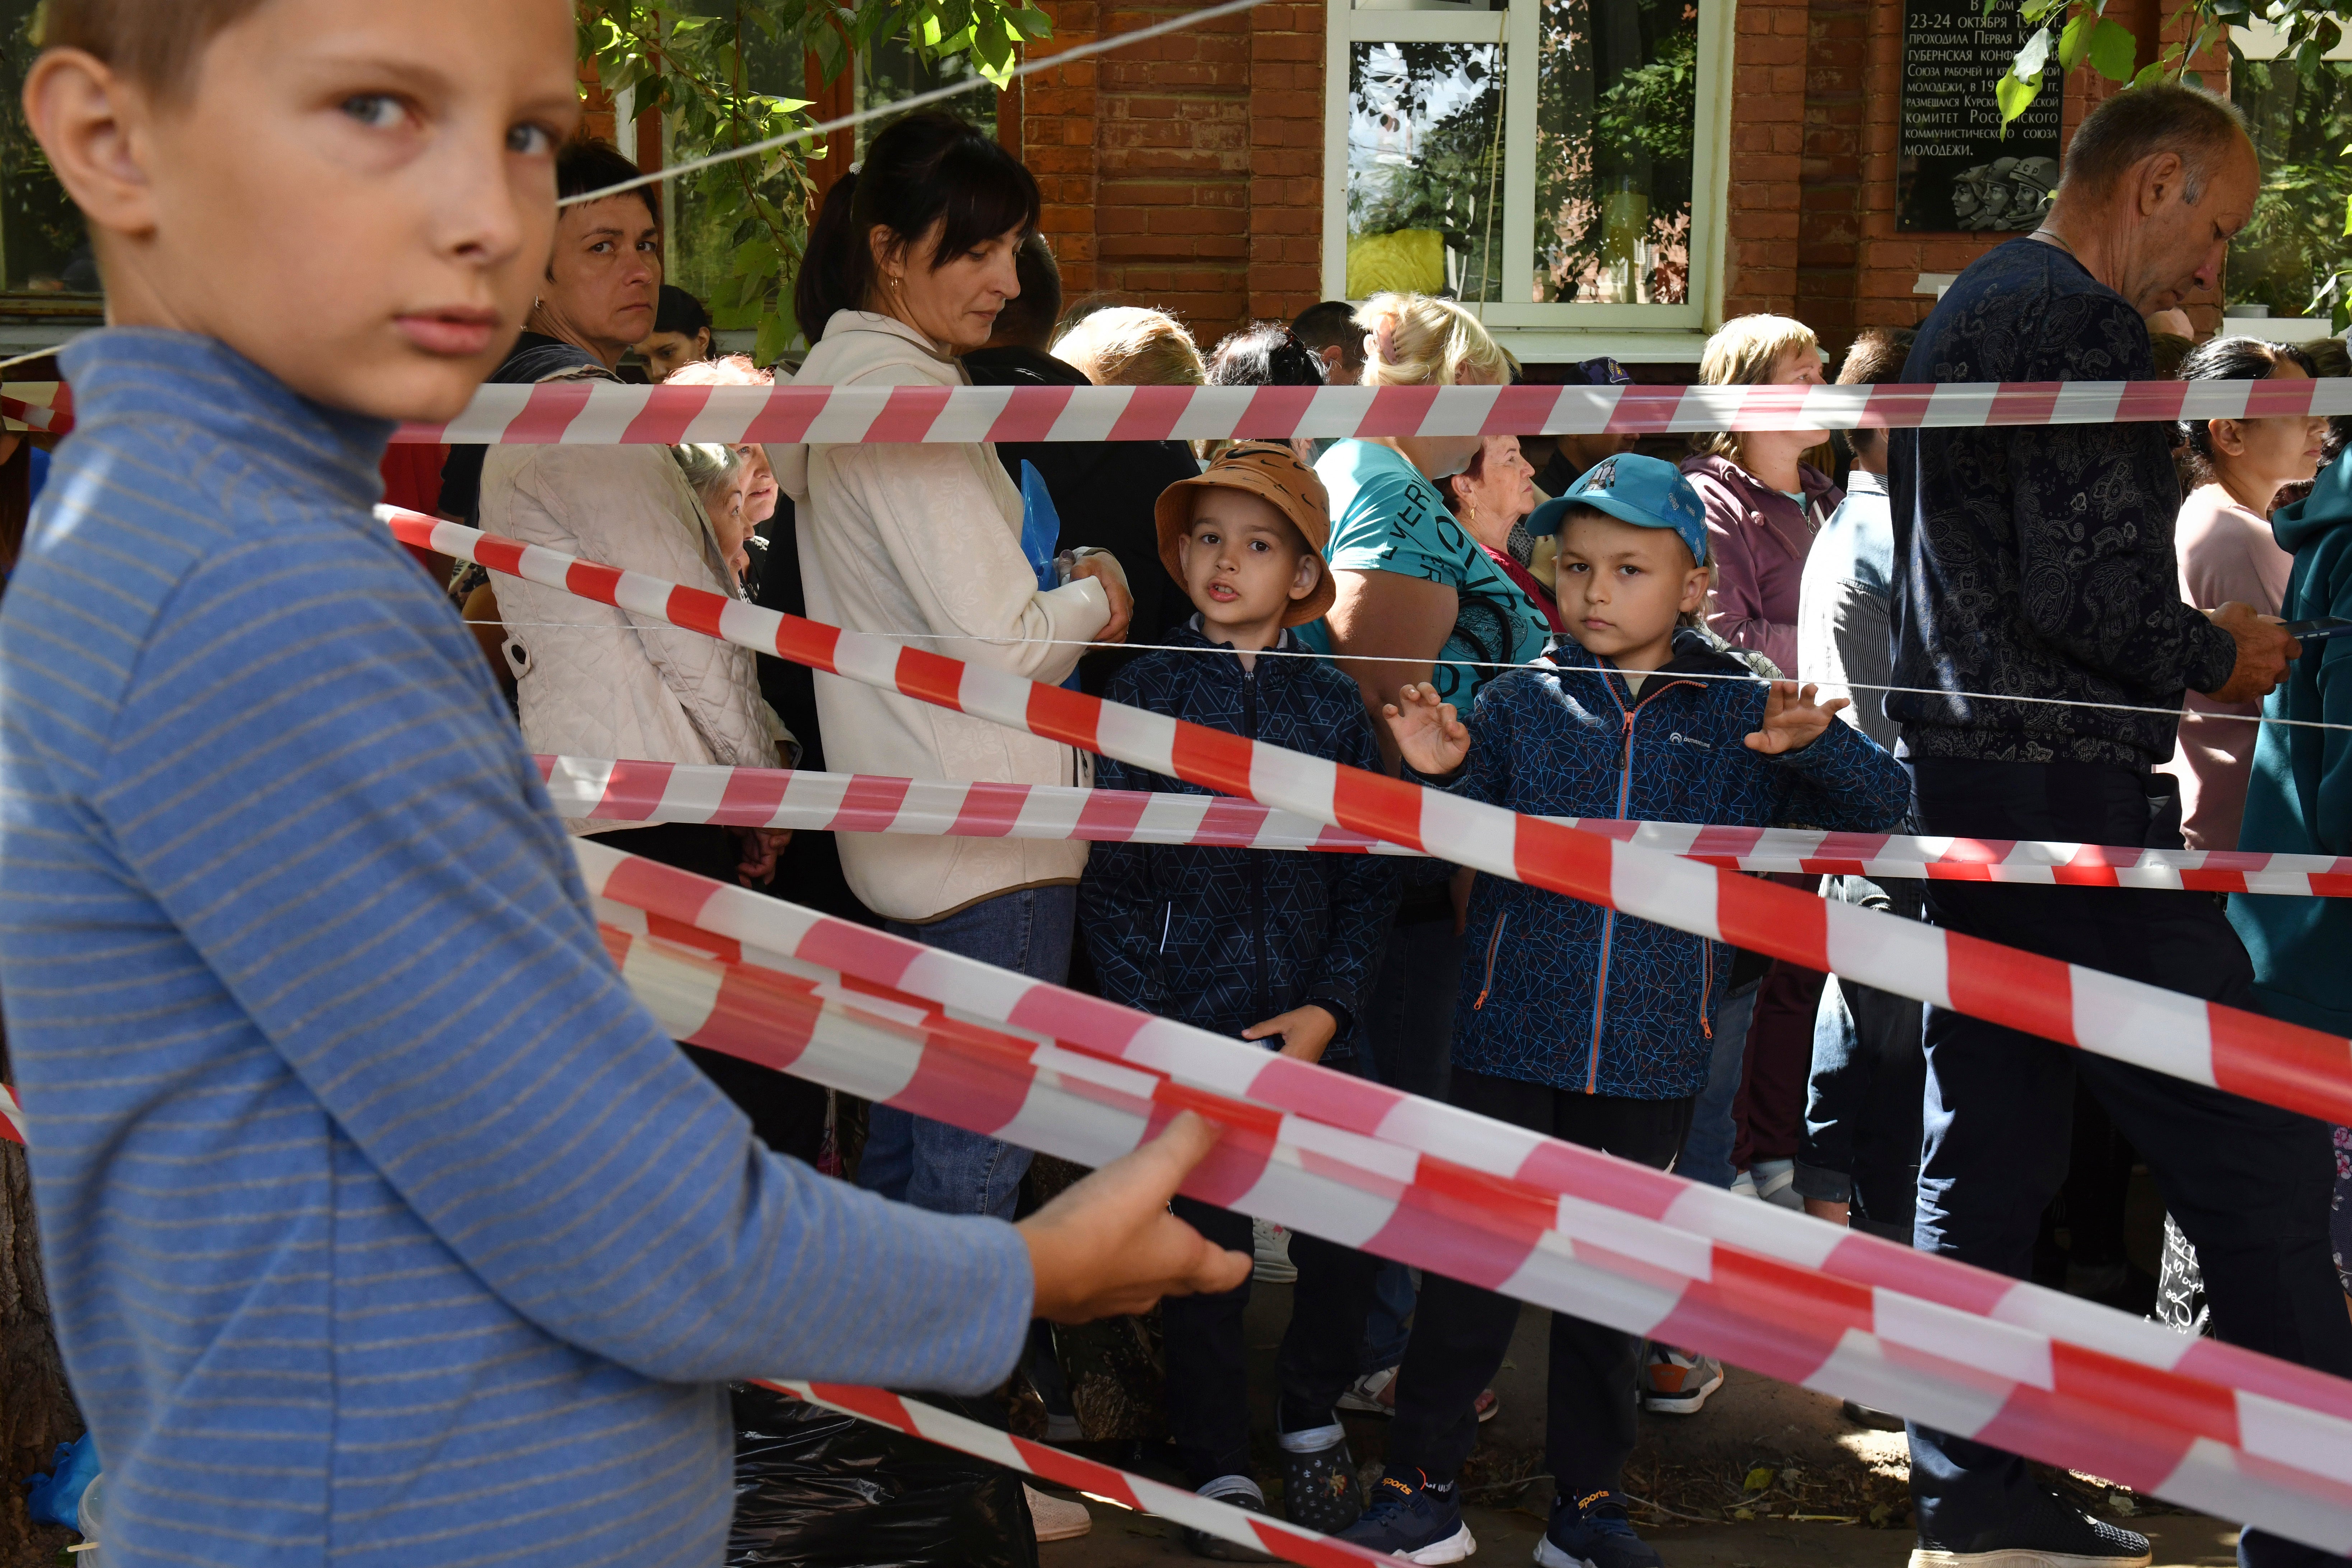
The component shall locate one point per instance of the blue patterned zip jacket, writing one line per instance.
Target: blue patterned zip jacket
(1228, 938)
(1559, 992)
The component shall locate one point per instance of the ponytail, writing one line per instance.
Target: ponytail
(927, 171)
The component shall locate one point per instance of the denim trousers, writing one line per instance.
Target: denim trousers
(1861, 1144)
(1462, 1331)
(1705, 1154)
(1408, 1031)
(2248, 1184)
(914, 1160)
(1208, 1380)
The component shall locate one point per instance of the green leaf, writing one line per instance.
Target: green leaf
(776, 334)
(2149, 74)
(2016, 96)
(757, 258)
(2112, 47)
(2075, 41)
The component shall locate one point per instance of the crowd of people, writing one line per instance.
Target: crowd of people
(1567, 625)
(1987, 632)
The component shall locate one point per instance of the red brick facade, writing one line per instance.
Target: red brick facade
(1187, 170)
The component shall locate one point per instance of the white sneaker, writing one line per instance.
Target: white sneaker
(1776, 1183)
(1056, 1519)
(1271, 1245)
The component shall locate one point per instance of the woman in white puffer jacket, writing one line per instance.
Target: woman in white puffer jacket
(907, 265)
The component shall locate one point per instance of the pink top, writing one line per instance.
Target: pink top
(2226, 552)
(1760, 538)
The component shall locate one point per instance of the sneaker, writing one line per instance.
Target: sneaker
(2055, 1536)
(1416, 1521)
(1592, 1532)
(1776, 1183)
(1374, 1394)
(1270, 1243)
(1056, 1519)
(1318, 1483)
(1676, 1382)
(1234, 1491)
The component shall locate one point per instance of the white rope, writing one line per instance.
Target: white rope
(920, 100)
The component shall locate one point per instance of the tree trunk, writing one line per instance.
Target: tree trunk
(37, 1408)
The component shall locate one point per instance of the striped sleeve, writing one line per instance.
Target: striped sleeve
(304, 778)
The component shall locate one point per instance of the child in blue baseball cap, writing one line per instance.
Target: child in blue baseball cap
(1577, 1022)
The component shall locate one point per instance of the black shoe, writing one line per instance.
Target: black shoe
(2059, 1537)
(1201, 1543)
(1592, 1532)
(1320, 1490)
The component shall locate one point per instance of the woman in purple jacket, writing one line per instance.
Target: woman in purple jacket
(1763, 503)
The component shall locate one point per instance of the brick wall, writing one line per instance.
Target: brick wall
(1185, 171)
(1812, 235)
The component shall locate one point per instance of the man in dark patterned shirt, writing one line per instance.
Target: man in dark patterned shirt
(2038, 563)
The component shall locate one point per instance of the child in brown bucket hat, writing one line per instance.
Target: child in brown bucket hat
(1270, 945)
(1246, 498)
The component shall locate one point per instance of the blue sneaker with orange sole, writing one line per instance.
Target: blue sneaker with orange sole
(1592, 1532)
(1414, 1520)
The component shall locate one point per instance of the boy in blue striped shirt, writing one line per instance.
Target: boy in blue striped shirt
(383, 1226)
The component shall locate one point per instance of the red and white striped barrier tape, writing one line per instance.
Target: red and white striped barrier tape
(583, 411)
(2283, 1064)
(601, 790)
(1546, 1222)
(1275, 1537)
(12, 1117)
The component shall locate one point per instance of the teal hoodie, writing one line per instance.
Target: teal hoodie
(2299, 801)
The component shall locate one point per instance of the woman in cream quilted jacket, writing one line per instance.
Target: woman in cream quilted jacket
(910, 260)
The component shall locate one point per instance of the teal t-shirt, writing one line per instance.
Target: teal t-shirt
(1386, 518)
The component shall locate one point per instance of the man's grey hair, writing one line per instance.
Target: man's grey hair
(2140, 123)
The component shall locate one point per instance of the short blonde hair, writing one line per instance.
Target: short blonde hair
(1744, 351)
(710, 468)
(1126, 345)
(1415, 339)
(735, 370)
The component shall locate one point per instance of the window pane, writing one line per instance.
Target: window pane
(704, 230)
(1614, 114)
(891, 71)
(2293, 242)
(43, 247)
(1424, 169)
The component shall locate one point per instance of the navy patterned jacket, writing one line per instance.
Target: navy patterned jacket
(1557, 991)
(1227, 938)
(2037, 561)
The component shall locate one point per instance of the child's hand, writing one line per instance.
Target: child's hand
(1792, 720)
(1306, 1031)
(1428, 733)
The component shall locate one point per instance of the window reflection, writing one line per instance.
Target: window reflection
(1424, 169)
(44, 250)
(1616, 108)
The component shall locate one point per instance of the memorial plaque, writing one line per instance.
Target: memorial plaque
(1955, 172)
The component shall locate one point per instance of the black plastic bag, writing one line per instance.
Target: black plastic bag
(815, 1489)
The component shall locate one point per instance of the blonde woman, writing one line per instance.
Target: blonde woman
(1764, 502)
(1129, 346)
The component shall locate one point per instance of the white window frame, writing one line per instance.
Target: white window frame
(1545, 331)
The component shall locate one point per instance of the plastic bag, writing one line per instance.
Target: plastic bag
(56, 1498)
(815, 1489)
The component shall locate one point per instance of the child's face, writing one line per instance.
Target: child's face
(358, 195)
(1245, 566)
(1622, 589)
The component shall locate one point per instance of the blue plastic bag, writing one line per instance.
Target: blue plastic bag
(1040, 536)
(1041, 527)
(56, 1498)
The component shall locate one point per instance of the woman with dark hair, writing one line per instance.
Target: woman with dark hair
(2228, 554)
(681, 334)
(909, 264)
(1266, 353)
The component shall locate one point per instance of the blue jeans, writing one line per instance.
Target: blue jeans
(1408, 1031)
(1706, 1149)
(913, 1160)
(1861, 1144)
(2248, 1182)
